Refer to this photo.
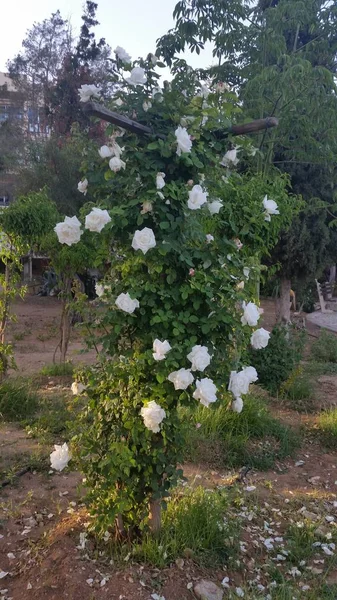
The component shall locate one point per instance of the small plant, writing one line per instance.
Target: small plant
(277, 361)
(324, 348)
(223, 438)
(58, 370)
(299, 389)
(17, 401)
(326, 427)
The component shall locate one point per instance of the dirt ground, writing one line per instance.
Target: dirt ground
(41, 516)
(35, 335)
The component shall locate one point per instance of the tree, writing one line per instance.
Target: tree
(282, 55)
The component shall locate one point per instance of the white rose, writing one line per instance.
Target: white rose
(270, 207)
(153, 415)
(238, 243)
(199, 358)
(88, 91)
(69, 232)
(222, 87)
(160, 349)
(230, 159)
(60, 457)
(237, 405)
(77, 388)
(105, 152)
(160, 181)
(126, 303)
(122, 55)
(116, 164)
(181, 379)
(214, 207)
(240, 286)
(209, 238)
(205, 392)
(260, 338)
(146, 207)
(183, 140)
(82, 186)
(143, 240)
(97, 219)
(251, 314)
(137, 76)
(196, 197)
(239, 383)
(251, 374)
(147, 105)
(100, 289)
(157, 94)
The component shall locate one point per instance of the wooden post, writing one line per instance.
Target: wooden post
(97, 110)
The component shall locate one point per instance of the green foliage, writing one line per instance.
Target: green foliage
(222, 438)
(276, 362)
(324, 349)
(56, 370)
(17, 400)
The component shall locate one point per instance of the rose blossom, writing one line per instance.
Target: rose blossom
(82, 186)
(199, 358)
(181, 379)
(196, 197)
(137, 76)
(260, 338)
(214, 207)
(147, 105)
(183, 140)
(238, 243)
(205, 392)
(97, 219)
(230, 158)
(87, 91)
(146, 207)
(160, 349)
(153, 415)
(126, 303)
(122, 55)
(143, 240)
(100, 289)
(116, 164)
(160, 181)
(209, 238)
(69, 232)
(60, 457)
(239, 382)
(77, 388)
(251, 314)
(237, 405)
(270, 207)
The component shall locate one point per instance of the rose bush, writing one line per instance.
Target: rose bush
(175, 306)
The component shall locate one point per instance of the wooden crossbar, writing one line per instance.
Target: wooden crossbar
(97, 110)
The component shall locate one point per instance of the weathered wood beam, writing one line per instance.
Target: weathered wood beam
(97, 110)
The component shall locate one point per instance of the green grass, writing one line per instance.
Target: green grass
(317, 368)
(326, 428)
(192, 525)
(55, 370)
(50, 424)
(17, 400)
(226, 439)
(324, 349)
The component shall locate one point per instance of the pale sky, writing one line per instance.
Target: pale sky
(133, 24)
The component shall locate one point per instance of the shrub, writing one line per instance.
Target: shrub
(276, 362)
(326, 427)
(58, 370)
(17, 401)
(324, 348)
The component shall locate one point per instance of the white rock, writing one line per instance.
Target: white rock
(207, 590)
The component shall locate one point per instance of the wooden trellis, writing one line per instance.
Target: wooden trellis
(97, 110)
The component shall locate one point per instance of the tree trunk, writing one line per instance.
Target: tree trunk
(65, 326)
(284, 310)
(155, 516)
(121, 532)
